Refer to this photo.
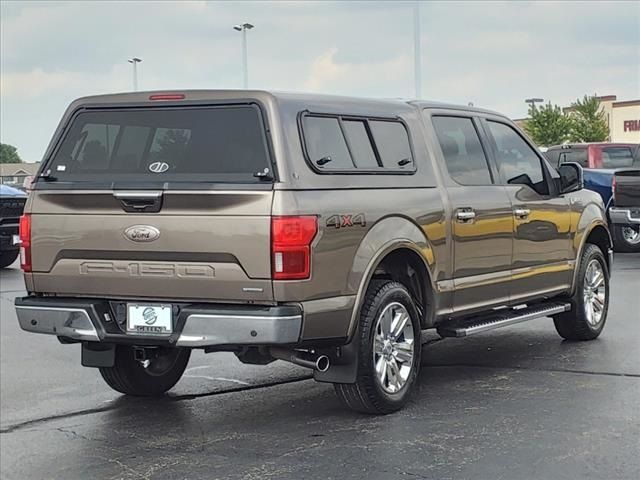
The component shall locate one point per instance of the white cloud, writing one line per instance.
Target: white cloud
(326, 73)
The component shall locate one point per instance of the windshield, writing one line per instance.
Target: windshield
(212, 144)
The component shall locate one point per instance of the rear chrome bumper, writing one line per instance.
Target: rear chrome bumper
(624, 216)
(194, 326)
(67, 322)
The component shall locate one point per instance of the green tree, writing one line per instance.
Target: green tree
(9, 154)
(589, 123)
(548, 125)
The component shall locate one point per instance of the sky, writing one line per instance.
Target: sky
(490, 53)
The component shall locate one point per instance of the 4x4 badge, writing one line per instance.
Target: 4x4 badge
(142, 233)
(346, 220)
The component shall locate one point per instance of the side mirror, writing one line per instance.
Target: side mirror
(571, 177)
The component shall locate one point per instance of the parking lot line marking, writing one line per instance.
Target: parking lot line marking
(239, 382)
(170, 398)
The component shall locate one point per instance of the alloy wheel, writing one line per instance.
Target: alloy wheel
(594, 292)
(631, 235)
(393, 345)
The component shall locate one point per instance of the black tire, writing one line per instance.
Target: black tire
(128, 376)
(621, 243)
(575, 324)
(367, 394)
(7, 258)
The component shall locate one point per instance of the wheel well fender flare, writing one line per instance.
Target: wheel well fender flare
(385, 237)
(598, 232)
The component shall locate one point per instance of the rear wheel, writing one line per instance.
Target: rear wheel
(149, 378)
(389, 351)
(626, 238)
(590, 302)
(7, 258)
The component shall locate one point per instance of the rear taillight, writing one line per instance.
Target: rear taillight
(25, 242)
(291, 239)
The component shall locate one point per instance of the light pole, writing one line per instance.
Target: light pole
(532, 102)
(417, 65)
(134, 61)
(245, 68)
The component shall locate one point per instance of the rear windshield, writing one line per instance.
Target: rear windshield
(577, 155)
(617, 157)
(212, 144)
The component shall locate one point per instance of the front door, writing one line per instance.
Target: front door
(542, 262)
(481, 217)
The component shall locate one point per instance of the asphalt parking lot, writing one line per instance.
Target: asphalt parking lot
(516, 403)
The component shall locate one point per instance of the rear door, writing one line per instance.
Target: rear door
(157, 202)
(542, 258)
(482, 222)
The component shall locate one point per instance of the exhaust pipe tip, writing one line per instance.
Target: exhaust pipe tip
(322, 363)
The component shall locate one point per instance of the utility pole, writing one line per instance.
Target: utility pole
(134, 61)
(245, 67)
(417, 63)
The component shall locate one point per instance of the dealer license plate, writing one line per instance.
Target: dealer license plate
(149, 319)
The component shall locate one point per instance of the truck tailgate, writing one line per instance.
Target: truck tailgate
(627, 188)
(212, 245)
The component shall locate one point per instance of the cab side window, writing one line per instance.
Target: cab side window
(462, 150)
(517, 161)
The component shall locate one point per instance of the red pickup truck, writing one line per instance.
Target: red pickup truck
(595, 155)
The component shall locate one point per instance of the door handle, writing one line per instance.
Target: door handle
(465, 215)
(139, 202)
(521, 212)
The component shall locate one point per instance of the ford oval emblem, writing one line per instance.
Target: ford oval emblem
(142, 233)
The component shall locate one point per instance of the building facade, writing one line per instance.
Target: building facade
(15, 174)
(624, 124)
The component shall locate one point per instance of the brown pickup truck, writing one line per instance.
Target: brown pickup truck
(330, 232)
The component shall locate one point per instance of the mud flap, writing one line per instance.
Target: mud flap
(344, 365)
(98, 355)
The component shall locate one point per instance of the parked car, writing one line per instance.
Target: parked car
(12, 203)
(330, 232)
(602, 163)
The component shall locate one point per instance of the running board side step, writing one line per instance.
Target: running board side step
(499, 319)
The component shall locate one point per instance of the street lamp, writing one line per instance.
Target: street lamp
(134, 61)
(245, 73)
(417, 64)
(532, 102)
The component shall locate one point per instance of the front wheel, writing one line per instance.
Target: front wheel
(590, 302)
(626, 238)
(389, 351)
(149, 378)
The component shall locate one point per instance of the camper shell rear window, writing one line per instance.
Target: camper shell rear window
(163, 146)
